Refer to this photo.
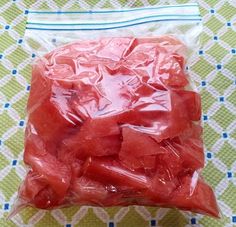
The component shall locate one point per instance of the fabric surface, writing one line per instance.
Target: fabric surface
(214, 71)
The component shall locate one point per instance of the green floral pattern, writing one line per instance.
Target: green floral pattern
(214, 71)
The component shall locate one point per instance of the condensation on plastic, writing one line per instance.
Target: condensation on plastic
(113, 118)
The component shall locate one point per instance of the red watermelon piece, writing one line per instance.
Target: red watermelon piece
(191, 153)
(192, 103)
(33, 184)
(44, 164)
(48, 107)
(190, 146)
(47, 199)
(161, 190)
(112, 172)
(138, 150)
(170, 70)
(195, 195)
(92, 139)
(99, 127)
(36, 192)
(86, 190)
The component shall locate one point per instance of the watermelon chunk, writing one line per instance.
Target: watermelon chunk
(171, 72)
(84, 189)
(33, 184)
(47, 199)
(110, 171)
(192, 102)
(138, 150)
(44, 164)
(92, 139)
(195, 195)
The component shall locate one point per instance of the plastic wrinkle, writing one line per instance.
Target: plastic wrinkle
(114, 121)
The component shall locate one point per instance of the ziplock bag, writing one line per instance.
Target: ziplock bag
(113, 117)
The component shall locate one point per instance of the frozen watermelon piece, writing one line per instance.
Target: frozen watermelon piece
(144, 162)
(192, 153)
(139, 144)
(161, 189)
(80, 145)
(33, 184)
(85, 190)
(101, 146)
(47, 199)
(195, 195)
(138, 150)
(192, 102)
(87, 101)
(53, 172)
(99, 127)
(118, 85)
(170, 71)
(169, 163)
(36, 192)
(194, 131)
(92, 138)
(45, 165)
(189, 144)
(140, 54)
(189, 154)
(173, 122)
(108, 170)
(161, 115)
(48, 107)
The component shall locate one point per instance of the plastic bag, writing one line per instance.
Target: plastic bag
(113, 118)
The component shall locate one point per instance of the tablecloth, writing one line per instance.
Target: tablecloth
(214, 72)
